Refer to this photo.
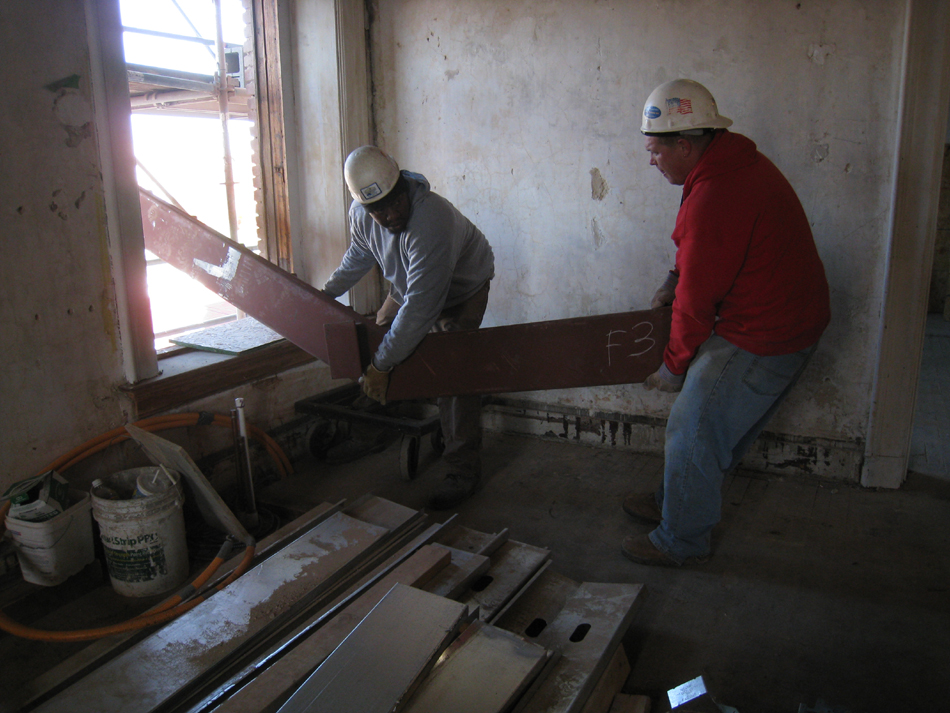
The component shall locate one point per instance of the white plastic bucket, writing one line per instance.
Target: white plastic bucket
(51, 551)
(144, 537)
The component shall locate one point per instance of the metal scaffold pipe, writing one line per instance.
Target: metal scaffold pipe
(223, 110)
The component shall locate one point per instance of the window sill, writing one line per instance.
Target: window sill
(189, 374)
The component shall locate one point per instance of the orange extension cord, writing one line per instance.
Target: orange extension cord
(177, 604)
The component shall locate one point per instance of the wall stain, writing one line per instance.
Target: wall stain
(598, 186)
(819, 53)
(598, 234)
(78, 134)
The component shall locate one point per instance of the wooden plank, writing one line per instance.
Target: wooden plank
(98, 651)
(482, 654)
(380, 664)
(512, 565)
(216, 372)
(159, 667)
(267, 692)
(586, 633)
(610, 683)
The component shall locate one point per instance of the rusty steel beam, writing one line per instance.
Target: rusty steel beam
(621, 348)
(288, 305)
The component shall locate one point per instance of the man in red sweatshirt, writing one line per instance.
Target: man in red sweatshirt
(750, 301)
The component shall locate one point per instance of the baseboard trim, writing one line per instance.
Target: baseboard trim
(776, 453)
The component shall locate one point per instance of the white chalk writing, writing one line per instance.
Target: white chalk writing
(637, 340)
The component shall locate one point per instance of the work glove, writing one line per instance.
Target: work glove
(375, 383)
(664, 380)
(664, 296)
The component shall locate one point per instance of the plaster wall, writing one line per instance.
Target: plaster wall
(61, 341)
(61, 335)
(526, 115)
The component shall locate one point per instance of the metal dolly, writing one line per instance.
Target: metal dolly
(335, 412)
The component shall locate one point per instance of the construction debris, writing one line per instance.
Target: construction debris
(366, 608)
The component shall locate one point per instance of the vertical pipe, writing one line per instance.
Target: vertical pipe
(243, 455)
(223, 110)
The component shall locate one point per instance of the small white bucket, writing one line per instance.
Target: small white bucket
(51, 551)
(144, 537)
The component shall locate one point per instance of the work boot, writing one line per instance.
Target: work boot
(453, 490)
(643, 507)
(640, 549)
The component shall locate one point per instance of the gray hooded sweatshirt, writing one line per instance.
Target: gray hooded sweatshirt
(440, 260)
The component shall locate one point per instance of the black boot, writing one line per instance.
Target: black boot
(455, 489)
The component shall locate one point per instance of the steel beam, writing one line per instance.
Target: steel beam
(621, 348)
(288, 305)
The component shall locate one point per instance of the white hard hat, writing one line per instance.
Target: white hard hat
(370, 174)
(681, 105)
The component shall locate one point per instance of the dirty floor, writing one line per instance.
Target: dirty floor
(820, 596)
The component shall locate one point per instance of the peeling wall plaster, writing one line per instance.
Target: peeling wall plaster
(56, 291)
(526, 116)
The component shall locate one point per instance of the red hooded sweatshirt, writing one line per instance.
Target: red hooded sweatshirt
(746, 259)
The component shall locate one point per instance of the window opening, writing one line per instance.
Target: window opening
(191, 147)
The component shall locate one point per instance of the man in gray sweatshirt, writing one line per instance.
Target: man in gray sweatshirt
(439, 266)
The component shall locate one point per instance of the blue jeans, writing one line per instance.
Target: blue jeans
(727, 398)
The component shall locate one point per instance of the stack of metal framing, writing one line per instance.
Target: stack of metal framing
(368, 607)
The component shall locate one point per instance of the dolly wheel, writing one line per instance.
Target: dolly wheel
(409, 457)
(323, 435)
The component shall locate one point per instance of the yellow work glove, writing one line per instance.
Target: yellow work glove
(375, 383)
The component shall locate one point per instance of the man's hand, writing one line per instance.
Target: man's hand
(375, 383)
(656, 381)
(664, 296)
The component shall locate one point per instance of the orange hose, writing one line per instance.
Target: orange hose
(140, 622)
(175, 606)
(160, 423)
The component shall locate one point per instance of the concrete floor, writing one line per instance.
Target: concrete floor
(820, 595)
